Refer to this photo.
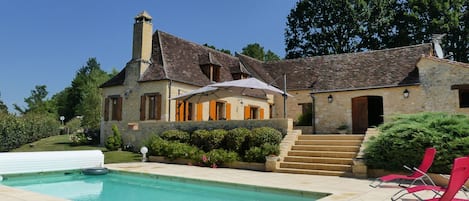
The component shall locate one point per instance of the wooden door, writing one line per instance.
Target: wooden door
(359, 114)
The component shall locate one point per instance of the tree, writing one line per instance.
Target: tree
(3, 107)
(83, 97)
(317, 27)
(37, 103)
(332, 27)
(256, 51)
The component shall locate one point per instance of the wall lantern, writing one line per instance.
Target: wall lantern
(406, 93)
(330, 99)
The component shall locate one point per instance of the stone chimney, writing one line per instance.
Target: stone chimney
(142, 41)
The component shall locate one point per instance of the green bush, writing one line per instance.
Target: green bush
(264, 135)
(235, 139)
(176, 135)
(208, 140)
(258, 154)
(156, 146)
(17, 131)
(216, 157)
(403, 141)
(114, 142)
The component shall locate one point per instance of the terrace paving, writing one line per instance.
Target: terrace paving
(340, 188)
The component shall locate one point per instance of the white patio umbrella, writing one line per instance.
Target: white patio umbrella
(241, 87)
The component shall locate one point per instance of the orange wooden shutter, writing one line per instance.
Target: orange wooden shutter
(247, 112)
(106, 109)
(199, 111)
(213, 110)
(261, 113)
(228, 111)
(119, 109)
(179, 110)
(186, 111)
(142, 108)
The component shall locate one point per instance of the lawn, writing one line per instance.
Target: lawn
(63, 143)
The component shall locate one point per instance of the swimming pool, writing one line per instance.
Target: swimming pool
(120, 186)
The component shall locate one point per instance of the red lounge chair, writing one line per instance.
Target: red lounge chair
(459, 176)
(418, 174)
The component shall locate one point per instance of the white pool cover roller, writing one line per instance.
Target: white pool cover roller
(46, 161)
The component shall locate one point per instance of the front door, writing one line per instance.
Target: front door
(367, 111)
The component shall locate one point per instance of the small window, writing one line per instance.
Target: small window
(150, 107)
(463, 92)
(116, 108)
(212, 72)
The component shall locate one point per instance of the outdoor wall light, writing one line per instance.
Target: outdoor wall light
(330, 99)
(406, 93)
(144, 151)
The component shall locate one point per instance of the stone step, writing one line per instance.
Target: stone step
(326, 148)
(329, 142)
(316, 166)
(313, 172)
(331, 137)
(302, 159)
(331, 154)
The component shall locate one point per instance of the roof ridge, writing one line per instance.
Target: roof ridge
(194, 43)
(363, 52)
(165, 71)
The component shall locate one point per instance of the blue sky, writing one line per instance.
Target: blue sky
(46, 42)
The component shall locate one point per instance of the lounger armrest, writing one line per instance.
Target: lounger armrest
(408, 168)
(425, 175)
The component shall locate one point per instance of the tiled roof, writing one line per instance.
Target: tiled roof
(180, 60)
(381, 68)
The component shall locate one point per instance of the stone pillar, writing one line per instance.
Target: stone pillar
(271, 163)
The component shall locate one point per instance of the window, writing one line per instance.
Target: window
(212, 72)
(219, 110)
(184, 111)
(150, 107)
(113, 103)
(463, 94)
(253, 112)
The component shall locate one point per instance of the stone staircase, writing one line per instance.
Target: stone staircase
(330, 155)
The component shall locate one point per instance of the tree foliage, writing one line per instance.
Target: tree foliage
(3, 107)
(256, 51)
(221, 50)
(83, 97)
(37, 102)
(331, 27)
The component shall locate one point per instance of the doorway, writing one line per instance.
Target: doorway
(367, 111)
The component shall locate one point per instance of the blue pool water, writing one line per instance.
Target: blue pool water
(120, 186)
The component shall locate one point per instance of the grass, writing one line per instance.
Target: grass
(63, 143)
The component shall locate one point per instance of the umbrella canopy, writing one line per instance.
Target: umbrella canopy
(251, 86)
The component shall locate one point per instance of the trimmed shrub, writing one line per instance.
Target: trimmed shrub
(171, 149)
(114, 142)
(156, 146)
(17, 131)
(176, 135)
(208, 140)
(264, 135)
(258, 154)
(404, 140)
(216, 157)
(235, 138)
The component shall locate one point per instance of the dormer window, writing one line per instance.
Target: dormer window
(210, 67)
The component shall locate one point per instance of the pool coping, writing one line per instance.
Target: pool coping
(340, 188)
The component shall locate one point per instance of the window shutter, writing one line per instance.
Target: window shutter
(106, 109)
(213, 110)
(261, 113)
(247, 112)
(199, 112)
(158, 107)
(228, 111)
(142, 108)
(119, 109)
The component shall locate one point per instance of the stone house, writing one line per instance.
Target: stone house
(359, 90)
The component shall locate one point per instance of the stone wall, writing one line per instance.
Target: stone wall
(136, 133)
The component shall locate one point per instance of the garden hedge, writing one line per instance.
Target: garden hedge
(403, 140)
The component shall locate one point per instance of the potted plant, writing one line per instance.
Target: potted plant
(342, 128)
